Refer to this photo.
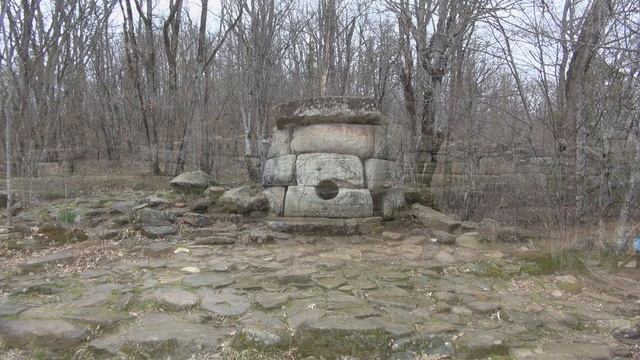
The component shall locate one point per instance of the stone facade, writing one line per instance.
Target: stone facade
(333, 157)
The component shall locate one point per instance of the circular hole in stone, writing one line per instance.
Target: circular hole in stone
(327, 189)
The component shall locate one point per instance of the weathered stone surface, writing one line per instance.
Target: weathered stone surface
(471, 240)
(265, 333)
(304, 201)
(337, 337)
(443, 237)
(419, 194)
(335, 139)
(214, 192)
(344, 170)
(382, 174)
(324, 226)
(434, 219)
(175, 299)
(223, 304)
(242, 200)
(388, 141)
(424, 344)
(388, 203)
(275, 195)
(279, 171)
(154, 232)
(192, 181)
(47, 261)
(207, 279)
(158, 336)
(49, 334)
(157, 249)
(280, 143)
(154, 218)
(350, 110)
(195, 219)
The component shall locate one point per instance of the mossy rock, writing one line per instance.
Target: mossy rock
(337, 337)
(486, 269)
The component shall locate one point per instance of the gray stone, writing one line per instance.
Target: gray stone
(157, 249)
(434, 219)
(207, 279)
(279, 171)
(392, 236)
(242, 200)
(158, 336)
(44, 262)
(214, 192)
(337, 337)
(275, 195)
(344, 170)
(195, 219)
(483, 307)
(388, 203)
(280, 143)
(155, 201)
(266, 333)
(175, 299)
(214, 240)
(348, 203)
(350, 110)
(49, 334)
(223, 304)
(154, 232)
(382, 174)
(154, 218)
(388, 141)
(581, 351)
(443, 237)
(424, 344)
(334, 138)
(192, 181)
(481, 343)
(470, 240)
(325, 226)
(270, 301)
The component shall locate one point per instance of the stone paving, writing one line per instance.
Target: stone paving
(234, 289)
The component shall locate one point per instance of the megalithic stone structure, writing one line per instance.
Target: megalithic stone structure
(333, 157)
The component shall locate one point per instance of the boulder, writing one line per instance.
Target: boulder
(334, 138)
(434, 219)
(388, 141)
(382, 174)
(280, 143)
(275, 195)
(344, 170)
(279, 171)
(242, 200)
(154, 218)
(306, 202)
(323, 226)
(192, 181)
(323, 110)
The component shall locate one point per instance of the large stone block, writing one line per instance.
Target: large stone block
(346, 203)
(280, 143)
(279, 171)
(348, 139)
(323, 110)
(390, 202)
(382, 174)
(275, 195)
(345, 171)
(388, 141)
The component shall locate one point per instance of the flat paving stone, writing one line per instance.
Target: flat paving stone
(175, 299)
(57, 335)
(338, 337)
(224, 304)
(207, 279)
(160, 335)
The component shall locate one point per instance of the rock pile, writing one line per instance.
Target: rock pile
(333, 157)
